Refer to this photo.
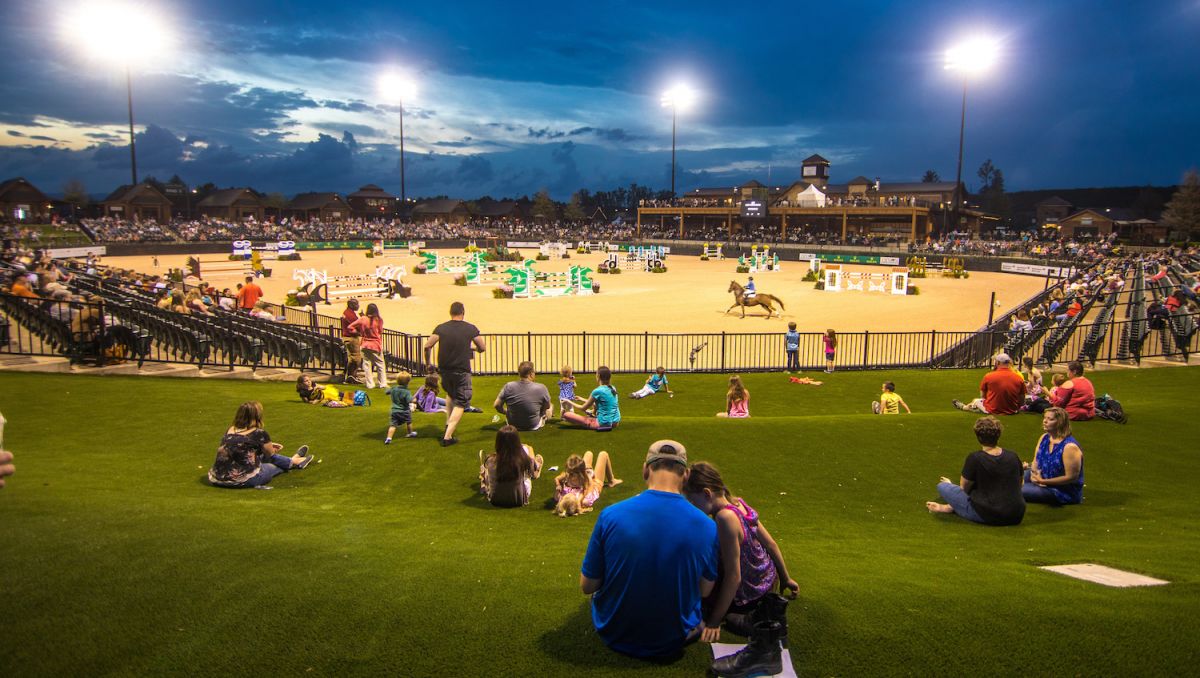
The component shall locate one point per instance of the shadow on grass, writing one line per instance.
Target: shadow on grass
(575, 642)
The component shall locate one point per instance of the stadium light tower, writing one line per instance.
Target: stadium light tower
(972, 58)
(122, 34)
(678, 97)
(397, 88)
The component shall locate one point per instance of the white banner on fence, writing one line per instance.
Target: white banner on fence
(889, 261)
(806, 256)
(1034, 269)
(69, 252)
(514, 244)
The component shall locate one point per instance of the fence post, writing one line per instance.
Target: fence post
(585, 367)
(646, 352)
(866, 348)
(932, 346)
(333, 363)
(529, 346)
(722, 350)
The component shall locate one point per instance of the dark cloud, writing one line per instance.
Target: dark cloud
(474, 169)
(43, 137)
(545, 133)
(615, 134)
(465, 142)
(339, 127)
(15, 133)
(355, 106)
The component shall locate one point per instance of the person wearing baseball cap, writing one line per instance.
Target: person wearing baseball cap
(1002, 390)
(650, 561)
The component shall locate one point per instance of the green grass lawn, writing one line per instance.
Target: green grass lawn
(117, 558)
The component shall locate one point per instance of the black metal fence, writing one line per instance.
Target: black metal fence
(105, 331)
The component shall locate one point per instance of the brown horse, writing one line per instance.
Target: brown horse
(767, 301)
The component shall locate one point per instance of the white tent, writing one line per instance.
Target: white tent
(811, 197)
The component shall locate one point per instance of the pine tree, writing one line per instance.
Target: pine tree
(1183, 212)
(931, 177)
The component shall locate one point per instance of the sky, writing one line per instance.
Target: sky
(512, 98)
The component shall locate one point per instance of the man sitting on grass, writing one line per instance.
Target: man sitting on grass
(1002, 391)
(650, 561)
(524, 402)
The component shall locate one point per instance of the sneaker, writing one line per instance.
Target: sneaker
(958, 405)
(303, 463)
(447, 442)
(302, 451)
(387, 441)
(412, 434)
(875, 406)
(472, 410)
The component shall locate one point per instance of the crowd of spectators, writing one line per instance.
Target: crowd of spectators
(110, 229)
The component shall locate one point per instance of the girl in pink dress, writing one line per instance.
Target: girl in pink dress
(737, 400)
(578, 487)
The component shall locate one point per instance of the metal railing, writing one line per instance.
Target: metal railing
(39, 327)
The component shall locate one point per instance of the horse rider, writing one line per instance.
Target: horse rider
(749, 292)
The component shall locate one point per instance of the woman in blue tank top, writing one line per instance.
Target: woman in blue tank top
(1056, 474)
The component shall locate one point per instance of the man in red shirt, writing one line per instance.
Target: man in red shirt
(249, 295)
(1002, 390)
(352, 339)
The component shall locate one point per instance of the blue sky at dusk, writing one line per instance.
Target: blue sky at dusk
(518, 97)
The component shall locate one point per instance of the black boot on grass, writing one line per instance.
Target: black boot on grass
(762, 657)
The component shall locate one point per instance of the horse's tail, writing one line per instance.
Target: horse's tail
(777, 300)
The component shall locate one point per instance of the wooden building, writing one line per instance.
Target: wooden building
(318, 206)
(22, 202)
(444, 211)
(232, 204)
(1051, 211)
(372, 202)
(862, 206)
(492, 210)
(143, 202)
(1086, 223)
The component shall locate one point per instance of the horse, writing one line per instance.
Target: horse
(767, 301)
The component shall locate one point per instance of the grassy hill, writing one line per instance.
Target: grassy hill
(118, 559)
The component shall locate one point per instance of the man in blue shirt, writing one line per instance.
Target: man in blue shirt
(650, 561)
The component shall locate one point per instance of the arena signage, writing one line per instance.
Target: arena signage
(241, 248)
(1034, 269)
(514, 244)
(850, 258)
(70, 252)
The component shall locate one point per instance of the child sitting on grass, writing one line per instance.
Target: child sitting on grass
(426, 397)
(751, 562)
(402, 400)
(578, 487)
(567, 400)
(654, 383)
(322, 394)
(889, 401)
(737, 400)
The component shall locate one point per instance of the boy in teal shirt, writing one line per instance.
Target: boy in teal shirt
(402, 400)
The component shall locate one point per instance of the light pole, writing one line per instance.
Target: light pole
(679, 96)
(972, 57)
(119, 33)
(396, 88)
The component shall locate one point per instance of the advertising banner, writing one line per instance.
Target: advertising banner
(70, 252)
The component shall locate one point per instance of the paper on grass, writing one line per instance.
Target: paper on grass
(1107, 576)
(722, 649)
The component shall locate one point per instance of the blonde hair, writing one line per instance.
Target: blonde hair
(249, 416)
(566, 372)
(574, 474)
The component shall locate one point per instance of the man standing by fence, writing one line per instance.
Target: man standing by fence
(457, 338)
(249, 295)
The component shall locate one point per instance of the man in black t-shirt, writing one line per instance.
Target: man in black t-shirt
(457, 339)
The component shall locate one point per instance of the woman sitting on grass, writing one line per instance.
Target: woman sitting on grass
(989, 489)
(737, 400)
(604, 398)
(578, 487)
(506, 477)
(322, 394)
(750, 561)
(247, 457)
(1056, 474)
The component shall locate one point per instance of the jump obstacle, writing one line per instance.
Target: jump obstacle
(760, 262)
(895, 282)
(387, 281)
(637, 259)
(221, 268)
(529, 283)
(554, 250)
(951, 267)
(441, 263)
(712, 251)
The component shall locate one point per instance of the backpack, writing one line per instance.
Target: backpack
(1108, 407)
(362, 399)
